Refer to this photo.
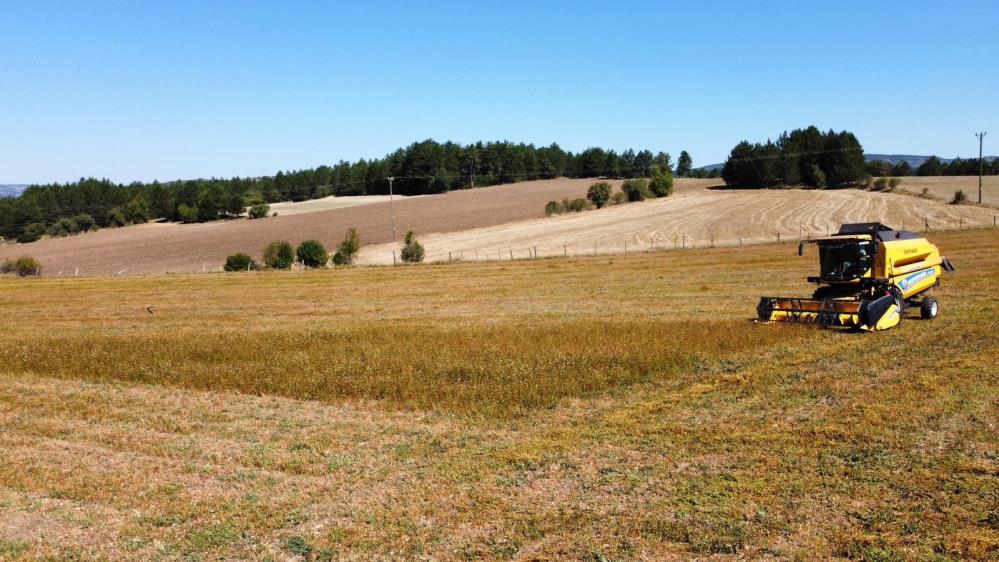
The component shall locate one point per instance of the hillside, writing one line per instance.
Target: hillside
(489, 223)
(696, 218)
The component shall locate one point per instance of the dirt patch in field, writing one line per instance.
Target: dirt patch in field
(328, 203)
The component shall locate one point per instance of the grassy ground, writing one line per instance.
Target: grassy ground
(600, 408)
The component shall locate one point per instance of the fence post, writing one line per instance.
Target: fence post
(393, 257)
(926, 224)
(565, 251)
(778, 236)
(535, 252)
(511, 254)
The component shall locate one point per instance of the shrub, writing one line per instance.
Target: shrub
(880, 184)
(636, 190)
(599, 193)
(84, 222)
(137, 211)
(553, 208)
(894, 182)
(24, 266)
(575, 205)
(240, 262)
(279, 255)
(31, 233)
(619, 198)
(959, 197)
(63, 227)
(187, 214)
(412, 251)
(116, 217)
(259, 211)
(312, 254)
(347, 249)
(662, 185)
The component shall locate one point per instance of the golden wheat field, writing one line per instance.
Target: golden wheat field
(597, 408)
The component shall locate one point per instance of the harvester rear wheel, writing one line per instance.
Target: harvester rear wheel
(929, 308)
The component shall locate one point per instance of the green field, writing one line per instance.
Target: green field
(598, 408)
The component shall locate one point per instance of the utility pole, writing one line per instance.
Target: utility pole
(980, 137)
(391, 207)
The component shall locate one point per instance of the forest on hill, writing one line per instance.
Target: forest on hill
(421, 168)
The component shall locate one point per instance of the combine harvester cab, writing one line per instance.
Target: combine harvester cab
(868, 275)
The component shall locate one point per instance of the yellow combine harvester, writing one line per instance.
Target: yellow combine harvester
(869, 275)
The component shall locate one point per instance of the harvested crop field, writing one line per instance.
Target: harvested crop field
(693, 218)
(617, 407)
(943, 187)
(186, 248)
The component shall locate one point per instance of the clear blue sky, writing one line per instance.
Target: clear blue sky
(178, 89)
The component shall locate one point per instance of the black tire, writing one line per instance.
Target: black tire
(900, 301)
(929, 308)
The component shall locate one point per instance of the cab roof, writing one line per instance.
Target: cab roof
(874, 230)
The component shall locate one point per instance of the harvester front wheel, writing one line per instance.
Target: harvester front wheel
(929, 308)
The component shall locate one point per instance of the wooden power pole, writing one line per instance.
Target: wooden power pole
(980, 137)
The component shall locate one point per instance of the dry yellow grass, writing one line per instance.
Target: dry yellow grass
(618, 407)
(943, 187)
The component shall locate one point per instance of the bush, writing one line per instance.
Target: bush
(880, 184)
(259, 211)
(959, 197)
(63, 227)
(599, 193)
(240, 262)
(31, 233)
(347, 249)
(567, 206)
(312, 254)
(619, 198)
(412, 251)
(137, 211)
(24, 266)
(637, 190)
(894, 182)
(662, 185)
(187, 214)
(116, 217)
(279, 255)
(84, 222)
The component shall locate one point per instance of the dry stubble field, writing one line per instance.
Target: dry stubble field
(590, 408)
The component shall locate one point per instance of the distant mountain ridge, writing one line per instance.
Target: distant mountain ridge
(11, 190)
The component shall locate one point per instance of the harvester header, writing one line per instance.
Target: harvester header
(869, 274)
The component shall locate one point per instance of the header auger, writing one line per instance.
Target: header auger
(869, 274)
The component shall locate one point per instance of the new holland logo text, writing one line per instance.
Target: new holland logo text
(915, 278)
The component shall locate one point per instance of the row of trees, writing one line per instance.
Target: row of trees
(312, 254)
(934, 166)
(421, 168)
(801, 157)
